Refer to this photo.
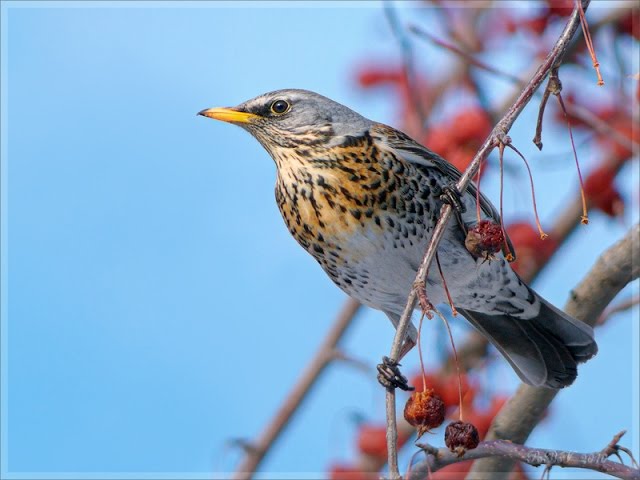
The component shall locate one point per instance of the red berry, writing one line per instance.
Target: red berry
(460, 437)
(484, 239)
(348, 472)
(449, 390)
(471, 125)
(425, 411)
(372, 440)
(561, 8)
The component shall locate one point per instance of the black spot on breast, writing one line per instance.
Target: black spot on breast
(374, 185)
(425, 192)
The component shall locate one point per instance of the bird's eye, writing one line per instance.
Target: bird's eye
(280, 106)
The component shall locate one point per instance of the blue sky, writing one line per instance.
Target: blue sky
(154, 306)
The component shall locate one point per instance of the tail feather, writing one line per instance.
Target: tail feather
(543, 351)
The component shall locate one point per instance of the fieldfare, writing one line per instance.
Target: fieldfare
(363, 198)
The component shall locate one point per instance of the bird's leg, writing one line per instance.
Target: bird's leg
(389, 374)
(450, 195)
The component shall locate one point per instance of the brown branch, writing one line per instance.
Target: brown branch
(256, 452)
(468, 57)
(407, 64)
(497, 136)
(438, 458)
(578, 111)
(623, 306)
(474, 350)
(613, 270)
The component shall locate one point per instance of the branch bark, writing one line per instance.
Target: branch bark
(615, 268)
(498, 136)
(256, 452)
(438, 458)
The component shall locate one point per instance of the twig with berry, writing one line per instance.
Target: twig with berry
(463, 446)
(500, 131)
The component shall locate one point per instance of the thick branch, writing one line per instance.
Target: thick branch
(615, 268)
(497, 136)
(438, 458)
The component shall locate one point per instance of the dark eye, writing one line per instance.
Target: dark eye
(280, 106)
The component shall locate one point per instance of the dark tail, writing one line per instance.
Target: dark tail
(545, 350)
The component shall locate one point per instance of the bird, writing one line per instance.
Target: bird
(363, 199)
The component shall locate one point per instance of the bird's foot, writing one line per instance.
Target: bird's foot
(389, 375)
(450, 195)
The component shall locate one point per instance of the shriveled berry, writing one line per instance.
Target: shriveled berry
(484, 239)
(425, 411)
(460, 437)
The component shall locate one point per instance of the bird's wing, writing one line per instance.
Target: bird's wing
(399, 144)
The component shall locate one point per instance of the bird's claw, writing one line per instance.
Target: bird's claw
(450, 195)
(389, 375)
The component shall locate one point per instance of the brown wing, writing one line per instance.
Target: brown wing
(405, 147)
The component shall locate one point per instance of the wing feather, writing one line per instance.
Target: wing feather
(405, 147)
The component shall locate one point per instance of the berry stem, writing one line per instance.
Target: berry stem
(419, 340)
(446, 289)
(455, 358)
(478, 192)
(533, 193)
(509, 255)
(585, 216)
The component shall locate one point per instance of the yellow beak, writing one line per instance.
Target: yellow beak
(228, 115)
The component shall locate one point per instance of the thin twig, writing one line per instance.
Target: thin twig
(407, 63)
(610, 274)
(470, 59)
(438, 458)
(474, 349)
(496, 137)
(324, 356)
(575, 110)
(623, 306)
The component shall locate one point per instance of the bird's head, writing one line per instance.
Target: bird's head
(291, 118)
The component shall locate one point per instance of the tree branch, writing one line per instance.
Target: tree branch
(256, 452)
(497, 136)
(614, 269)
(438, 458)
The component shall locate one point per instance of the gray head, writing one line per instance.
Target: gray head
(290, 118)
